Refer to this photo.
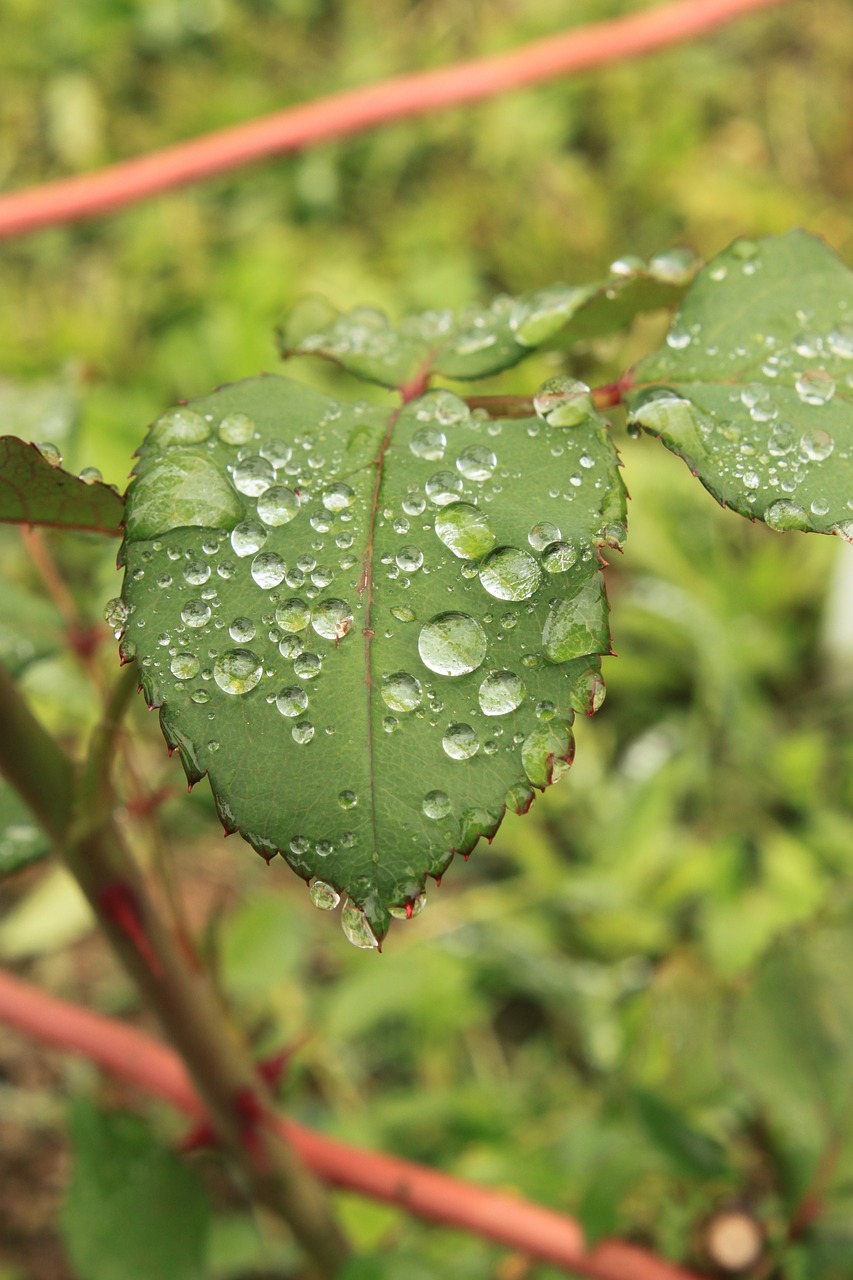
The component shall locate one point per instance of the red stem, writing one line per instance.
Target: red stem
(353, 110)
(541, 1233)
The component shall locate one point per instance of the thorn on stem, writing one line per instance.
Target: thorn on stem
(118, 903)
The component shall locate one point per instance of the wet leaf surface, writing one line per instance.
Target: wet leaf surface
(35, 490)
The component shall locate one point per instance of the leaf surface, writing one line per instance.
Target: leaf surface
(477, 342)
(370, 628)
(753, 387)
(34, 491)
(21, 840)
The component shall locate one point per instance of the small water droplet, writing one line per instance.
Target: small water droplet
(510, 574)
(267, 570)
(476, 463)
(547, 752)
(242, 630)
(355, 927)
(196, 613)
(338, 497)
(184, 666)
(784, 515)
(412, 908)
(817, 445)
(542, 534)
(116, 615)
(409, 559)
(452, 644)
(302, 732)
(293, 615)
(179, 427)
(347, 799)
(429, 444)
(50, 453)
(248, 538)
(307, 665)
(840, 341)
(90, 475)
(558, 557)
(442, 488)
(815, 386)
(237, 671)
(292, 701)
(253, 476)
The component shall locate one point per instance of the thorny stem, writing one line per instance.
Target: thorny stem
(238, 1101)
(540, 1233)
(344, 114)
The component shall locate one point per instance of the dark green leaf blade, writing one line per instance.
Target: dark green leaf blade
(372, 629)
(753, 388)
(134, 1210)
(478, 342)
(33, 491)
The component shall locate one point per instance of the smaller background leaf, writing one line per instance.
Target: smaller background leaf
(32, 491)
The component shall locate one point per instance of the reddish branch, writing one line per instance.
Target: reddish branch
(352, 111)
(509, 1220)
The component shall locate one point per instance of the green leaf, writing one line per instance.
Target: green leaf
(370, 629)
(792, 1036)
(688, 1149)
(753, 388)
(31, 627)
(134, 1210)
(21, 840)
(35, 490)
(479, 341)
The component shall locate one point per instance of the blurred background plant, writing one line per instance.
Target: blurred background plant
(635, 1006)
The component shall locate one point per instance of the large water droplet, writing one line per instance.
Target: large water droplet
(355, 927)
(476, 463)
(184, 666)
(815, 386)
(436, 804)
(252, 476)
(307, 665)
(267, 570)
(196, 613)
(293, 615)
(409, 559)
(460, 742)
(452, 644)
(237, 671)
(196, 572)
(49, 452)
(292, 701)
(817, 445)
(500, 693)
(429, 444)
(564, 402)
(510, 574)
(302, 732)
(278, 505)
(558, 557)
(465, 530)
(237, 428)
(542, 534)
(323, 895)
(248, 538)
(784, 515)
(412, 908)
(338, 497)
(547, 752)
(242, 630)
(179, 427)
(401, 692)
(332, 619)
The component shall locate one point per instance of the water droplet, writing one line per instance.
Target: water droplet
(116, 615)
(323, 895)
(278, 505)
(542, 534)
(338, 497)
(476, 463)
(323, 576)
(782, 440)
(429, 444)
(401, 692)
(179, 427)
(332, 619)
(414, 504)
(252, 476)
(355, 927)
(465, 530)
(267, 570)
(237, 428)
(201, 696)
(558, 557)
(184, 666)
(237, 671)
(402, 614)
(90, 475)
(817, 445)
(844, 529)
(460, 742)
(242, 630)
(443, 487)
(409, 559)
(436, 804)
(248, 538)
(628, 265)
(673, 266)
(412, 908)
(293, 615)
(545, 710)
(820, 505)
(564, 402)
(500, 693)
(452, 644)
(840, 341)
(815, 386)
(196, 613)
(547, 752)
(49, 452)
(302, 732)
(510, 574)
(347, 799)
(292, 701)
(785, 515)
(307, 665)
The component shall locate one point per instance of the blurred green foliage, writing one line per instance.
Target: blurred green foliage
(634, 1005)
